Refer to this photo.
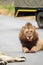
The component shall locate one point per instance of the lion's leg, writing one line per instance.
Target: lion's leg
(34, 49)
(12, 59)
(38, 47)
(16, 59)
(25, 49)
(42, 47)
(40, 44)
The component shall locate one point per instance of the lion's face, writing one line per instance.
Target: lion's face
(30, 32)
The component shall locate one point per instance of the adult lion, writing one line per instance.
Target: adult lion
(29, 39)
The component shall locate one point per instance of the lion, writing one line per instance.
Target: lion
(29, 39)
(4, 59)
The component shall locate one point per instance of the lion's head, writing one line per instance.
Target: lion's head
(28, 32)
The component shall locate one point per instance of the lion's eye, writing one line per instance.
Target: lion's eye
(26, 31)
(31, 31)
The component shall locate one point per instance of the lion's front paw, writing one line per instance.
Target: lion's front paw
(25, 49)
(33, 50)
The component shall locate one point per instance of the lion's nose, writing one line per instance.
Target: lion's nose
(29, 37)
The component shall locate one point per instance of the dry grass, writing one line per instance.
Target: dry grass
(7, 10)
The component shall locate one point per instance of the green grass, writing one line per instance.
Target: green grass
(8, 7)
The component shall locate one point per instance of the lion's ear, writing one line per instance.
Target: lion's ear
(23, 28)
(21, 34)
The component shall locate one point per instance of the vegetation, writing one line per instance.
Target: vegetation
(8, 7)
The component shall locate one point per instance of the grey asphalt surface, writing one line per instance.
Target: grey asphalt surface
(10, 43)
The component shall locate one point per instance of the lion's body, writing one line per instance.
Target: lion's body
(29, 39)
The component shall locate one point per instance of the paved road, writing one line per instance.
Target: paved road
(10, 44)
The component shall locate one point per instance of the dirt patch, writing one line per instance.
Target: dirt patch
(29, 17)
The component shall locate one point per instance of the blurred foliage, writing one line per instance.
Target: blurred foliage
(8, 7)
(7, 10)
(2, 0)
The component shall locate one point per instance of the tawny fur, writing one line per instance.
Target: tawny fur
(33, 44)
(9, 59)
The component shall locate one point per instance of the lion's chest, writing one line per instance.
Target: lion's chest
(28, 44)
